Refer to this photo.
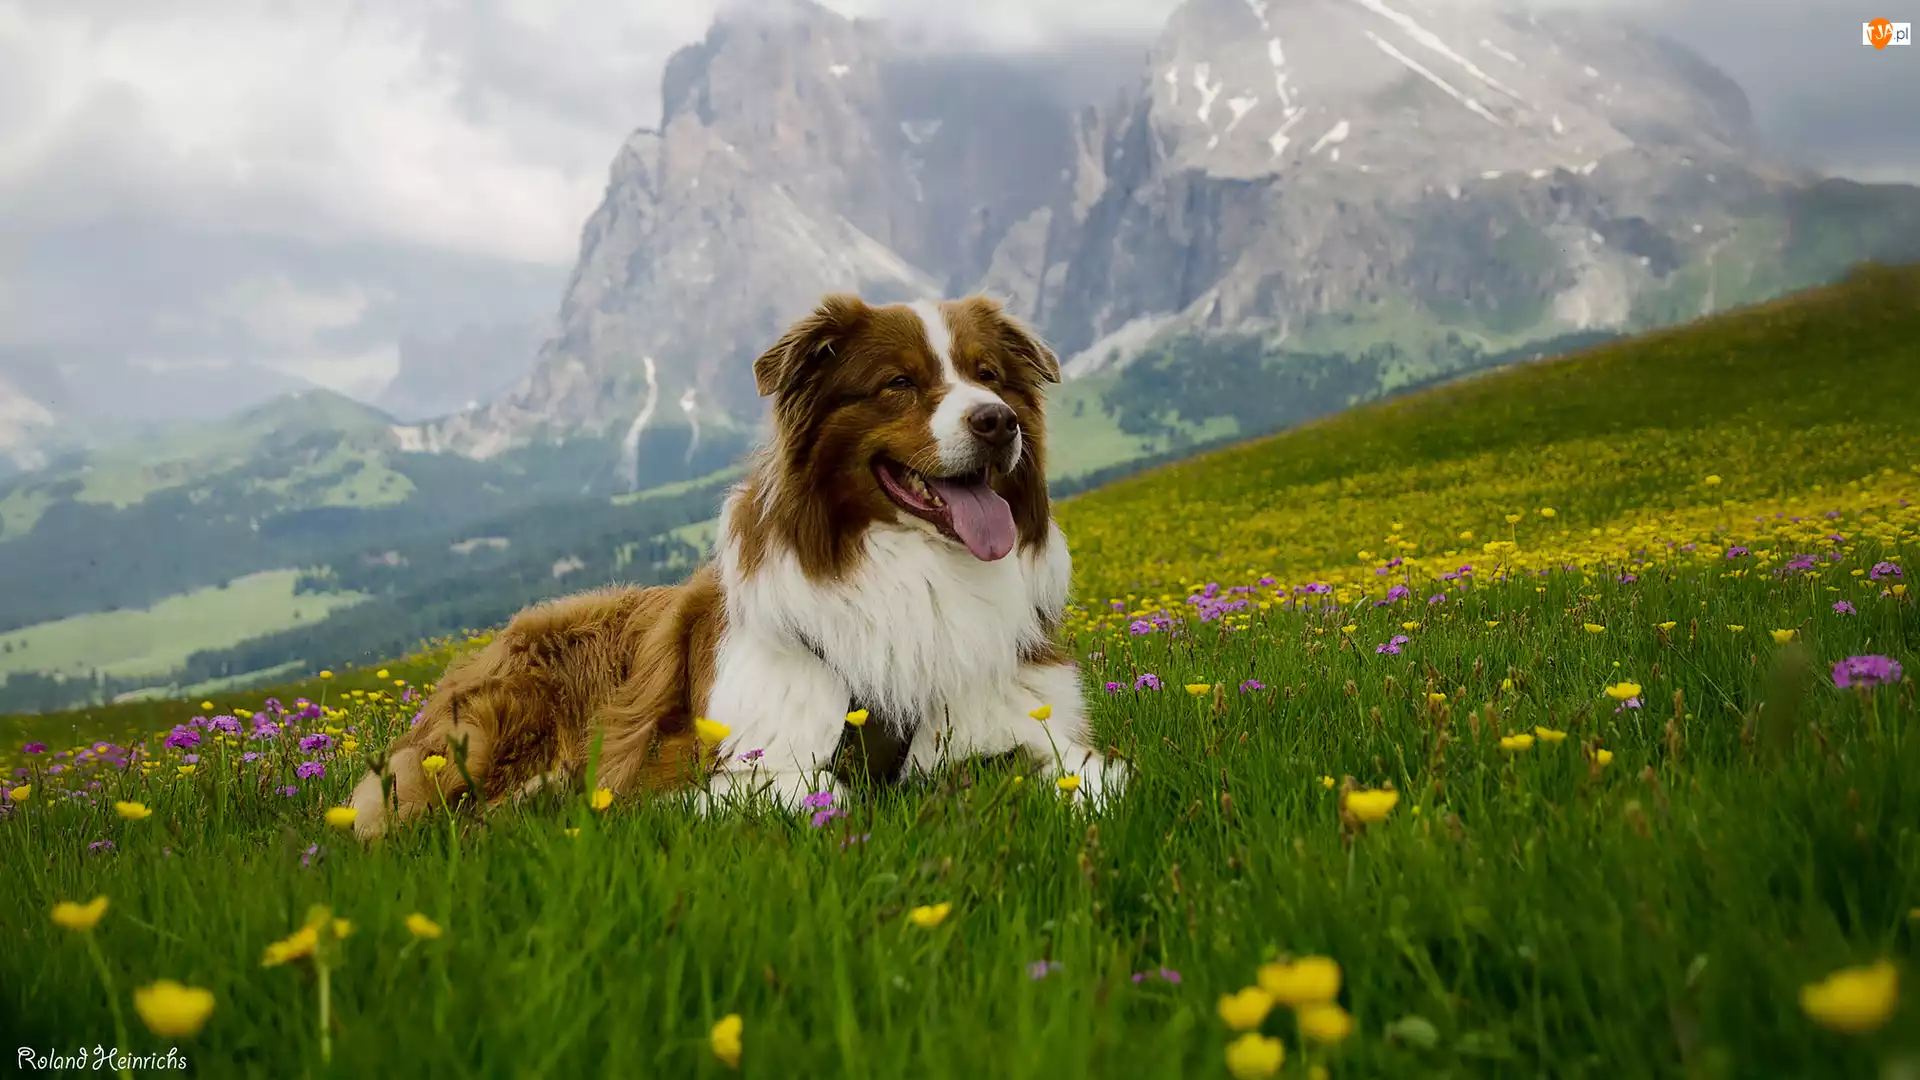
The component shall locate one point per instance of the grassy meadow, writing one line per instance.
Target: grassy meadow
(1547, 724)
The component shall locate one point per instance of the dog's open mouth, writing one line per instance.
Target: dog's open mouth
(965, 507)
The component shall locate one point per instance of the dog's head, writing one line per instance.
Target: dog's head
(928, 413)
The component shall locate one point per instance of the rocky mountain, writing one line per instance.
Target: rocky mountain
(446, 373)
(1453, 180)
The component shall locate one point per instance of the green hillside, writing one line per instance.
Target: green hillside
(1553, 723)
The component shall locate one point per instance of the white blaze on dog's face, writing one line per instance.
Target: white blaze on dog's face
(930, 412)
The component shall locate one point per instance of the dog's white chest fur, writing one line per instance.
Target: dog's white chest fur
(919, 625)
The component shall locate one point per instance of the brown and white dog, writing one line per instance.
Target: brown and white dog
(891, 548)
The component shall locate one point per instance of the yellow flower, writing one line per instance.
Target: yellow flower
(1547, 511)
(1900, 590)
(1198, 688)
(1246, 1009)
(1514, 519)
(1595, 628)
(1325, 1022)
(571, 832)
(301, 942)
(928, 916)
(1491, 623)
(432, 764)
(726, 1040)
(1466, 534)
(710, 732)
(1254, 1056)
(1516, 743)
(602, 799)
(422, 927)
(1310, 980)
(207, 705)
(1069, 782)
(1042, 714)
(1735, 627)
(326, 674)
(1414, 625)
(79, 916)
(857, 717)
(169, 1008)
(20, 794)
(132, 811)
(1781, 637)
(341, 817)
(381, 674)
(1547, 734)
(1623, 691)
(1371, 806)
(1854, 1000)
(1713, 480)
(1327, 782)
(1435, 698)
(1506, 684)
(1604, 757)
(1668, 625)
(1349, 628)
(185, 770)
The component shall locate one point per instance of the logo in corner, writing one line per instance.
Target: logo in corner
(1881, 33)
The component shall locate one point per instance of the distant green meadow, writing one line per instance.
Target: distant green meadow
(1617, 778)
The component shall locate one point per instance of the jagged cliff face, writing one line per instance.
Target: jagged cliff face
(1312, 171)
(796, 156)
(1292, 158)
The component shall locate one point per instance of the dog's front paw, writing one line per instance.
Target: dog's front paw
(1102, 779)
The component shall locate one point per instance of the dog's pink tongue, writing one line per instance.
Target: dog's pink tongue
(981, 518)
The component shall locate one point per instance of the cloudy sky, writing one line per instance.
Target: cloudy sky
(203, 202)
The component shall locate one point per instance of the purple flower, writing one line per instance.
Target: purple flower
(1147, 681)
(415, 722)
(319, 742)
(1165, 974)
(1736, 551)
(183, 738)
(249, 757)
(1040, 969)
(1387, 648)
(100, 847)
(861, 839)
(1251, 685)
(189, 759)
(1115, 687)
(1628, 579)
(1398, 592)
(821, 817)
(1866, 671)
(1437, 598)
(1885, 570)
(1630, 703)
(310, 770)
(1139, 626)
(287, 792)
(753, 755)
(818, 800)
(225, 725)
(307, 857)
(35, 748)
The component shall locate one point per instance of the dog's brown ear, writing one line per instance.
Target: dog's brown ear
(1019, 341)
(805, 342)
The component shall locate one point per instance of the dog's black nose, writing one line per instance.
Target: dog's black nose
(993, 424)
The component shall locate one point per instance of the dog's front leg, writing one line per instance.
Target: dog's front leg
(1001, 719)
(785, 709)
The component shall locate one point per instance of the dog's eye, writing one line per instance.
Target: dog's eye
(988, 375)
(900, 382)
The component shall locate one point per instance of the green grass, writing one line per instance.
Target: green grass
(1521, 912)
(158, 639)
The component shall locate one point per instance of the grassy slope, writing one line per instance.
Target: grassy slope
(1521, 913)
(155, 640)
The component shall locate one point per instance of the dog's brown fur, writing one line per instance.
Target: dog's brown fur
(637, 664)
(521, 712)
